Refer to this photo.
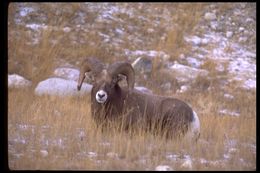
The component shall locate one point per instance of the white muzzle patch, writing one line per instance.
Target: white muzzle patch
(101, 96)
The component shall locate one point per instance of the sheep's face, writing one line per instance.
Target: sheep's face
(104, 89)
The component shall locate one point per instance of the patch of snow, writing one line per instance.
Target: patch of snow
(150, 30)
(112, 155)
(144, 89)
(228, 96)
(194, 62)
(185, 73)
(241, 29)
(18, 155)
(81, 133)
(92, 154)
(105, 144)
(149, 53)
(19, 140)
(228, 112)
(119, 31)
(104, 35)
(34, 26)
(58, 142)
(250, 84)
(249, 20)
(210, 16)
(195, 40)
(23, 126)
(226, 156)
(183, 89)
(166, 86)
(163, 168)
(25, 10)
(203, 161)
(187, 163)
(66, 29)
(214, 25)
(44, 153)
(241, 65)
(232, 150)
(17, 81)
(229, 34)
(172, 157)
(61, 87)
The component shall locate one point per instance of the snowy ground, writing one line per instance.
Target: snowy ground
(227, 45)
(224, 40)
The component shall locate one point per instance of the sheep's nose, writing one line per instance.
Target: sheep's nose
(101, 95)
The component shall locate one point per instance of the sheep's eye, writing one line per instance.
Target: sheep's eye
(107, 87)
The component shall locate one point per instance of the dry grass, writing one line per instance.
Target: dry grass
(69, 119)
(64, 128)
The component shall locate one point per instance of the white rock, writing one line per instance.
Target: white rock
(250, 84)
(112, 155)
(214, 25)
(187, 164)
(241, 29)
(248, 20)
(44, 153)
(185, 73)
(144, 89)
(210, 16)
(229, 112)
(34, 26)
(61, 87)
(229, 34)
(242, 39)
(194, 62)
(203, 161)
(67, 73)
(26, 10)
(17, 81)
(172, 157)
(183, 89)
(195, 40)
(150, 30)
(92, 154)
(204, 41)
(67, 29)
(163, 168)
(228, 96)
(182, 56)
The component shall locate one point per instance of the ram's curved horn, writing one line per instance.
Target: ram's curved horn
(125, 69)
(89, 64)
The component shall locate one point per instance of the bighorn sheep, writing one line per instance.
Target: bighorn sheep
(110, 101)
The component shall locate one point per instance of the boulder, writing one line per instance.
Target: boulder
(185, 73)
(163, 168)
(210, 16)
(61, 87)
(67, 73)
(144, 89)
(17, 81)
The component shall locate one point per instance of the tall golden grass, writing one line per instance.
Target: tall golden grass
(119, 150)
(63, 127)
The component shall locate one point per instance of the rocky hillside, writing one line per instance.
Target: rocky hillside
(178, 41)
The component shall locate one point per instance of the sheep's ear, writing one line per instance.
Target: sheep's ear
(90, 77)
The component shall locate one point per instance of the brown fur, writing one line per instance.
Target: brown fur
(133, 108)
